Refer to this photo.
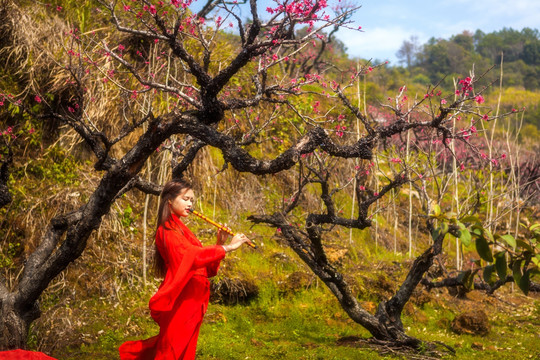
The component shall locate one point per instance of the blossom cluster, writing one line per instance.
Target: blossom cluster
(299, 9)
(466, 86)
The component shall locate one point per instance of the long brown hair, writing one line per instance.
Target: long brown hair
(170, 191)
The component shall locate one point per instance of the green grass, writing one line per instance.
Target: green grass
(302, 325)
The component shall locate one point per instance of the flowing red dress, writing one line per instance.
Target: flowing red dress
(181, 301)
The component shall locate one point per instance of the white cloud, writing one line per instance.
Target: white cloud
(388, 23)
(381, 43)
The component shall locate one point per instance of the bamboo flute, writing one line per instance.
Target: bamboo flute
(218, 225)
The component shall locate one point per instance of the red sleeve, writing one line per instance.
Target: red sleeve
(213, 267)
(175, 247)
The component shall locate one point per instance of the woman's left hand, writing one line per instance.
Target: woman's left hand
(222, 237)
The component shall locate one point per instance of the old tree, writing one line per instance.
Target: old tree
(179, 80)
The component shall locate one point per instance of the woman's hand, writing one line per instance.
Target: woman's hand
(222, 237)
(236, 242)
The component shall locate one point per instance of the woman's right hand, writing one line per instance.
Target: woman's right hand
(236, 242)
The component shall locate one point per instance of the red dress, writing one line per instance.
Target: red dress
(181, 301)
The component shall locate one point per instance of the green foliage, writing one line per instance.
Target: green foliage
(9, 253)
(455, 56)
(57, 166)
(128, 218)
(501, 253)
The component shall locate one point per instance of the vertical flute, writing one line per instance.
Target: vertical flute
(219, 226)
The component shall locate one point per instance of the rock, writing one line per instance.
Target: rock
(233, 291)
(473, 322)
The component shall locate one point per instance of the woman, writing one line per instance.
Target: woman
(182, 298)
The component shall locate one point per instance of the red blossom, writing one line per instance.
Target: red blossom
(479, 99)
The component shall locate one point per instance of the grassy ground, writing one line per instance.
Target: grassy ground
(307, 323)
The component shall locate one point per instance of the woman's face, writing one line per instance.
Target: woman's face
(182, 203)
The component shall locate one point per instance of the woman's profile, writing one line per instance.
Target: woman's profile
(179, 305)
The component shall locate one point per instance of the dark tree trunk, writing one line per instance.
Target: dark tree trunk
(15, 322)
(20, 306)
(385, 325)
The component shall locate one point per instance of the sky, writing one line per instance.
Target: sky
(387, 23)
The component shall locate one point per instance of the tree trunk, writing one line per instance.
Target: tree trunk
(385, 325)
(15, 322)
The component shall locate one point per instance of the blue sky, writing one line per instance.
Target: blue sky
(387, 23)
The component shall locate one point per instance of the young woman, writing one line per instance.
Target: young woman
(181, 301)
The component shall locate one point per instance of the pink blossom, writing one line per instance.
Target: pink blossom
(443, 101)
(121, 47)
(396, 160)
(479, 99)
(37, 98)
(503, 156)
(362, 188)
(376, 194)
(466, 86)
(127, 7)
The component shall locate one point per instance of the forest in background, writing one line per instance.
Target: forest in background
(268, 300)
(518, 50)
